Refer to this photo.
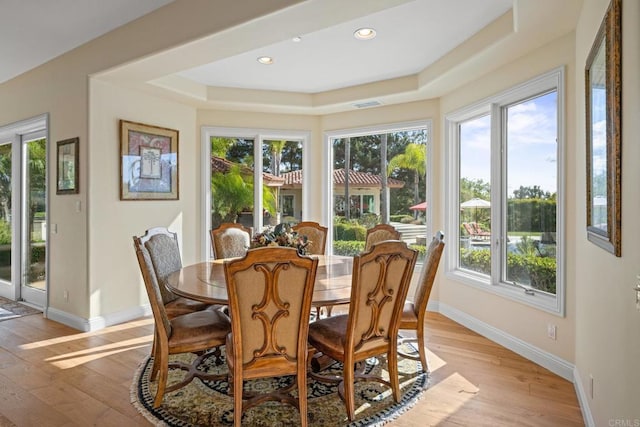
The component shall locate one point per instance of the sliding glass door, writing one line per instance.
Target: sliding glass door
(23, 212)
(34, 218)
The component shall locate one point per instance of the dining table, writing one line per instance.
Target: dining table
(205, 281)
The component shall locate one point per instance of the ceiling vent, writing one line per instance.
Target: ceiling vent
(367, 104)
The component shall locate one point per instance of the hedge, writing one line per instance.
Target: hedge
(353, 248)
(538, 272)
(531, 215)
(349, 231)
(348, 248)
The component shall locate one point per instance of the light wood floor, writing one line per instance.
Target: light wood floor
(51, 375)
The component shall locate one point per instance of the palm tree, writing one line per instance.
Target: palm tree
(414, 159)
(232, 192)
(220, 146)
(384, 196)
(276, 156)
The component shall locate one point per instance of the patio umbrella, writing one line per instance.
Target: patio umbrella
(419, 207)
(475, 203)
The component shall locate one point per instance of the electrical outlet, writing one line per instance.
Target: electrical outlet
(551, 331)
(66, 295)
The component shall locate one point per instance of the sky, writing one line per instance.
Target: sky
(531, 145)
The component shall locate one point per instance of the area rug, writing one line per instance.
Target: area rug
(207, 403)
(11, 309)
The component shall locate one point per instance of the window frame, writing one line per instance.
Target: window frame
(327, 183)
(496, 106)
(258, 136)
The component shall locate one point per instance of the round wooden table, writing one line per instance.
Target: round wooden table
(205, 281)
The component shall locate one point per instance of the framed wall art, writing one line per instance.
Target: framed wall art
(603, 95)
(68, 171)
(148, 162)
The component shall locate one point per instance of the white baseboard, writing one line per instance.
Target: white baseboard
(583, 399)
(547, 360)
(99, 322)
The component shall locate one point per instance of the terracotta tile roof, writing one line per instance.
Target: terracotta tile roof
(359, 179)
(218, 164)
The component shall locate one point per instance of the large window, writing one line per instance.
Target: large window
(379, 175)
(505, 193)
(252, 177)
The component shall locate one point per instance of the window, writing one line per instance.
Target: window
(378, 175)
(505, 203)
(253, 177)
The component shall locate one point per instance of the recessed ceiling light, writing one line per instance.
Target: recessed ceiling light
(364, 33)
(297, 39)
(266, 60)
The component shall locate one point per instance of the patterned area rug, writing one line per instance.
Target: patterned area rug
(208, 403)
(11, 309)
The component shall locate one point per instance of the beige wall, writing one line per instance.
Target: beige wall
(115, 283)
(516, 319)
(607, 321)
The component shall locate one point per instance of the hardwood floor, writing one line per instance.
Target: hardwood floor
(52, 375)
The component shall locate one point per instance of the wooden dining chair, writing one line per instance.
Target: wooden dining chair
(380, 233)
(380, 281)
(270, 292)
(230, 240)
(414, 312)
(194, 332)
(316, 233)
(164, 252)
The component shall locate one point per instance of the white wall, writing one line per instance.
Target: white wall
(607, 321)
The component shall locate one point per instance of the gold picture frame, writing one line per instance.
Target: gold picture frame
(603, 85)
(148, 162)
(68, 170)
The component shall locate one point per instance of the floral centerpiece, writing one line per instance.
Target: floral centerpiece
(281, 235)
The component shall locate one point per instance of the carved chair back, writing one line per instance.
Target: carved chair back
(380, 233)
(230, 240)
(316, 233)
(154, 290)
(161, 245)
(428, 274)
(381, 279)
(269, 292)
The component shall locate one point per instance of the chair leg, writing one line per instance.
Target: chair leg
(237, 399)
(302, 398)
(349, 390)
(154, 353)
(163, 368)
(422, 350)
(392, 362)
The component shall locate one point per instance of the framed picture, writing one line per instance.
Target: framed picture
(68, 170)
(603, 90)
(148, 162)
